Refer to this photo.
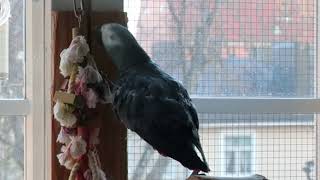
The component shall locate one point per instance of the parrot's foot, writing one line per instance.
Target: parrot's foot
(204, 177)
(195, 175)
(195, 172)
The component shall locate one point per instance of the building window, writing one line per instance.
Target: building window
(238, 155)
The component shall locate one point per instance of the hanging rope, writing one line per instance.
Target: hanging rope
(74, 106)
(78, 11)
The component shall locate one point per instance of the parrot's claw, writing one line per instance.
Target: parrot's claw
(195, 172)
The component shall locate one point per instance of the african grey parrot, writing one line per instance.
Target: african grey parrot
(151, 103)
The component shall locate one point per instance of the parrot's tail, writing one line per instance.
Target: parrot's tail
(203, 163)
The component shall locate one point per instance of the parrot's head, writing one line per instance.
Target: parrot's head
(121, 45)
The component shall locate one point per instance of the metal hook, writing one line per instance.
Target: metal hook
(78, 11)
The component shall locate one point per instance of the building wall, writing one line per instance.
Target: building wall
(280, 152)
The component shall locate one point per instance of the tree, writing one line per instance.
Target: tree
(202, 50)
(308, 169)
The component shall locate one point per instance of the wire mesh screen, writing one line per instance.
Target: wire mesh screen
(278, 146)
(232, 48)
(12, 147)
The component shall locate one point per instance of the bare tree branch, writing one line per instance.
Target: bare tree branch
(143, 161)
(13, 127)
(173, 12)
(159, 168)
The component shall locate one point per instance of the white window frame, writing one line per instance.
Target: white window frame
(38, 90)
(256, 105)
(36, 107)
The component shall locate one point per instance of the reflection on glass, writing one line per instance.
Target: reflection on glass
(12, 53)
(231, 48)
(11, 147)
(238, 145)
(242, 48)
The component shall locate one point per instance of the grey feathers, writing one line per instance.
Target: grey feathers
(151, 103)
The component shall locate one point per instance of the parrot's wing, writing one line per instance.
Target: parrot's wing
(161, 122)
(165, 122)
(141, 96)
(186, 101)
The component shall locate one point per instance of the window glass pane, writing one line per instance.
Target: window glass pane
(144, 163)
(281, 147)
(12, 51)
(231, 48)
(11, 147)
(236, 48)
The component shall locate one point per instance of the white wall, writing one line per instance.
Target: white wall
(97, 5)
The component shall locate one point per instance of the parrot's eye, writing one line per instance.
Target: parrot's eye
(112, 37)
